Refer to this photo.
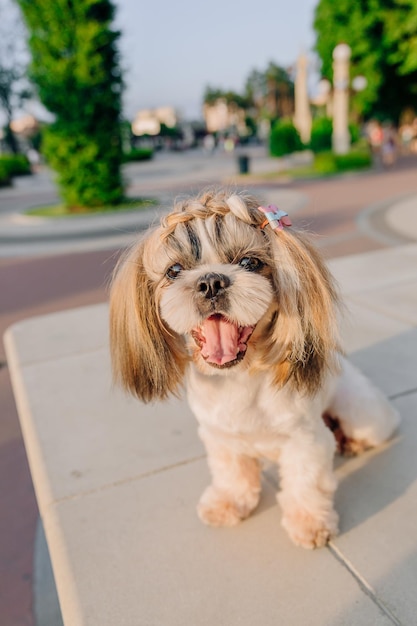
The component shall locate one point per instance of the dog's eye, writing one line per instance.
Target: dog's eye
(174, 271)
(251, 264)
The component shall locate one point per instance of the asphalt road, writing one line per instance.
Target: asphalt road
(37, 285)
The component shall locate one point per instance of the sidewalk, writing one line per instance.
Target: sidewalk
(117, 482)
(166, 177)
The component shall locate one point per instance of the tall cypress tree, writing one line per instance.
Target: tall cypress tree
(76, 70)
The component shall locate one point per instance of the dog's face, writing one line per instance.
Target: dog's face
(214, 286)
(210, 285)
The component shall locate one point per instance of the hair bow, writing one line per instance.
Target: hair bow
(276, 218)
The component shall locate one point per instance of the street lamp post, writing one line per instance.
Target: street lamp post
(302, 114)
(341, 136)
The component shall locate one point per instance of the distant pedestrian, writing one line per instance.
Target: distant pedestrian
(209, 143)
(389, 147)
(34, 159)
(376, 136)
(406, 135)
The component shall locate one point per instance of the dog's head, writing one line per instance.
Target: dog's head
(213, 285)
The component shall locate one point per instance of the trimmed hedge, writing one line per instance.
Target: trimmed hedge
(138, 154)
(321, 134)
(284, 138)
(13, 165)
(355, 132)
(4, 175)
(354, 160)
(330, 163)
(325, 163)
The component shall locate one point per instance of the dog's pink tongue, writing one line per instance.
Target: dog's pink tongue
(221, 340)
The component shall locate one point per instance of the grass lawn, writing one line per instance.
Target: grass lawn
(325, 164)
(60, 210)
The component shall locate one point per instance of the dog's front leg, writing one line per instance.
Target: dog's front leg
(307, 487)
(235, 489)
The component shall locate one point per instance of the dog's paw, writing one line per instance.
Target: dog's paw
(308, 530)
(354, 447)
(219, 509)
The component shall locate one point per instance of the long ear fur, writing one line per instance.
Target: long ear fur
(147, 359)
(304, 337)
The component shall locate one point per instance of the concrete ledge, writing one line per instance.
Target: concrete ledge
(45, 598)
(117, 483)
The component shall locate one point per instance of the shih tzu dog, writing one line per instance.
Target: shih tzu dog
(226, 297)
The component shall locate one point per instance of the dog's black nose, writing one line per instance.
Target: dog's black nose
(210, 285)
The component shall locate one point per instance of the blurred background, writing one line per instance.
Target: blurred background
(184, 77)
(106, 104)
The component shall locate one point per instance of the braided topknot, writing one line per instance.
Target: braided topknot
(210, 203)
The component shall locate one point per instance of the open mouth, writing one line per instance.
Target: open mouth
(222, 343)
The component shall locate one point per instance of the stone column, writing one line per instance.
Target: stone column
(341, 136)
(302, 114)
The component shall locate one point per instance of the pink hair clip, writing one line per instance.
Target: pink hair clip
(276, 218)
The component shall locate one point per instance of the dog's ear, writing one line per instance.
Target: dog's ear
(147, 359)
(305, 330)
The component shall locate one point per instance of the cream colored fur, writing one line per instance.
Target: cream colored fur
(268, 402)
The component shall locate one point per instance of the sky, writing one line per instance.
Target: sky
(171, 50)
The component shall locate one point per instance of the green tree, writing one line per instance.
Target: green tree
(271, 92)
(382, 35)
(401, 34)
(213, 94)
(75, 67)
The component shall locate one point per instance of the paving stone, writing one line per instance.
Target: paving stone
(377, 499)
(369, 271)
(140, 556)
(362, 327)
(397, 301)
(118, 481)
(82, 434)
(59, 334)
(391, 364)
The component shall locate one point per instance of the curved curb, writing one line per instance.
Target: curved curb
(86, 227)
(374, 221)
(403, 217)
(76, 233)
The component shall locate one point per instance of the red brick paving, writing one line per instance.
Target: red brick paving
(334, 205)
(42, 285)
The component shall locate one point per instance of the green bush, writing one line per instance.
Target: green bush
(284, 138)
(4, 175)
(355, 132)
(353, 160)
(325, 163)
(15, 164)
(330, 163)
(321, 134)
(138, 154)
